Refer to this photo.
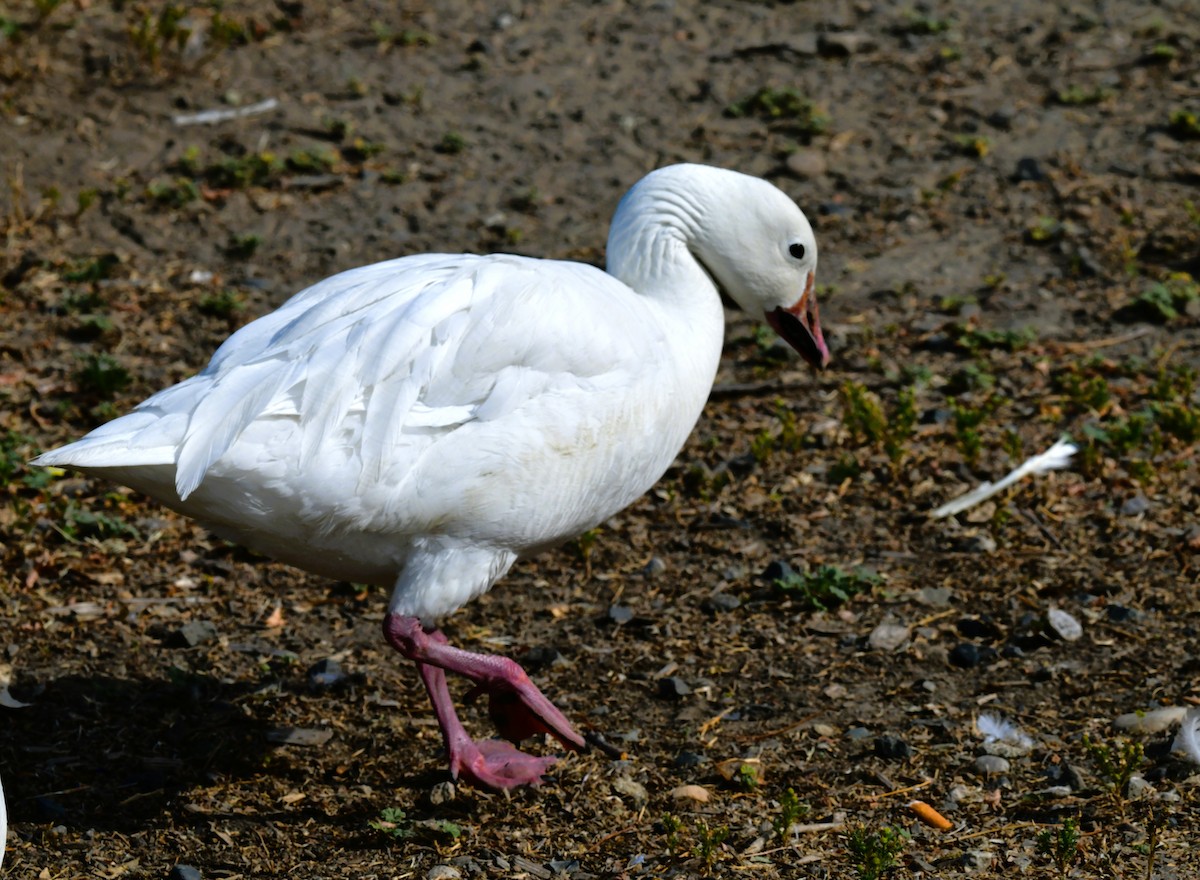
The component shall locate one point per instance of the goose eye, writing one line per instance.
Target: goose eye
(796, 250)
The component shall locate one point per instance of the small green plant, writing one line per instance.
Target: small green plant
(1043, 230)
(747, 777)
(78, 524)
(360, 150)
(923, 25)
(242, 247)
(967, 420)
(393, 822)
(451, 144)
(224, 303)
(386, 37)
(976, 146)
(1077, 96)
(1061, 844)
(317, 161)
(90, 271)
(152, 35)
(787, 439)
(1084, 392)
(974, 339)
(791, 810)
(102, 375)
(794, 113)
(709, 842)
(672, 825)
(1184, 124)
(971, 377)
(867, 420)
(173, 193)
(1163, 301)
(826, 586)
(873, 853)
(1117, 762)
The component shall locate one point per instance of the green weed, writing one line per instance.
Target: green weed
(672, 825)
(393, 822)
(1184, 124)
(788, 437)
(923, 25)
(451, 144)
(873, 853)
(1061, 844)
(975, 146)
(1043, 230)
(1077, 96)
(1163, 301)
(709, 843)
(173, 194)
(802, 116)
(1117, 762)
(791, 810)
(242, 247)
(826, 586)
(224, 303)
(967, 420)
(976, 339)
(102, 375)
(90, 271)
(867, 421)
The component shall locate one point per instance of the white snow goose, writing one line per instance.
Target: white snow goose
(424, 422)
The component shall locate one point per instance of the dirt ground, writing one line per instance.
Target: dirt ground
(777, 647)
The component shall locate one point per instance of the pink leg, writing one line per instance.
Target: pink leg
(514, 703)
(492, 763)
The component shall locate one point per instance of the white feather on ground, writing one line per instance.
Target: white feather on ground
(1057, 456)
(993, 728)
(1187, 741)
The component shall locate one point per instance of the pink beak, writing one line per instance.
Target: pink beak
(800, 327)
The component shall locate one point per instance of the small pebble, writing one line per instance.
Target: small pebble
(673, 688)
(1139, 787)
(1135, 506)
(843, 43)
(1067, 627)
(631, 789)
(935, 597)
(1028, 169)
(807, 164)
(855, 733)
(443, 872)
(184, 872)
(620, 614)
(980, 543)
(1120, 613)
(442, 793)
(325, 673)
(654, 567)
(720, 602)
(966, 655)
(991, 765)
(196, 632)
(696, 793)
(778, 571)
(976, 859)
(888, 636)
(892, 747)
(977, 628)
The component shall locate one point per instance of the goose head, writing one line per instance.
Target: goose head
(760, 250)
(751, 241)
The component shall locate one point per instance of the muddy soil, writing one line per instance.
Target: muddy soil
(777, 645)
